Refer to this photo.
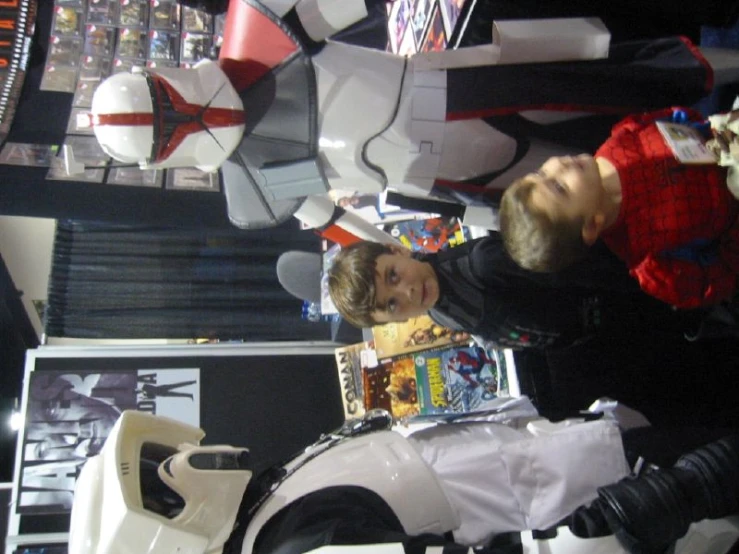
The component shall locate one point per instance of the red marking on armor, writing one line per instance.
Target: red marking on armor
(131, 119)
(253, 44)
(212, 118)
(339, 235)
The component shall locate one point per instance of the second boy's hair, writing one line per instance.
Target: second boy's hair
(351, 281)
(531, 238)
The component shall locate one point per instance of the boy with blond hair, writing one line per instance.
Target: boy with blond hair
(674, 225)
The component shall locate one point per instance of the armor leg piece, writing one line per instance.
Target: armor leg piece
(651, 512)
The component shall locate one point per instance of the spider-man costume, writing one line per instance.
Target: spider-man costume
(677, 229)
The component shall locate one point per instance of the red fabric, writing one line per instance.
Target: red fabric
(253, 44)
(337, 234)
(667, 205)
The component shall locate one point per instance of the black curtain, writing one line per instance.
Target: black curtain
(123, 282)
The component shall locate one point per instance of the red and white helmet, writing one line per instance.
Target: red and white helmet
(169, 117)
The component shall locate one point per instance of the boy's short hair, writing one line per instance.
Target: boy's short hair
(531, 238)
(351, 281)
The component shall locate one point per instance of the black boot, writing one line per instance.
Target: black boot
(649, 513)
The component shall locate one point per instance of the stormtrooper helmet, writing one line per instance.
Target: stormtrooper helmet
(169, 117)
(153, 489)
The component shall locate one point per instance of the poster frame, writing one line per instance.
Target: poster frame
(14, 537)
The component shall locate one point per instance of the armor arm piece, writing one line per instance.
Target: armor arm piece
(323, 18)
(280, 7)
(528, 41)
(337, 224)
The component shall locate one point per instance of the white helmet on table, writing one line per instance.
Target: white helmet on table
(153, 489)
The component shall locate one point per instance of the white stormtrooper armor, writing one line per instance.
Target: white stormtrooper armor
(706, 537)
(377, 462)
(154, 489)
(399, 138)
(380, 123)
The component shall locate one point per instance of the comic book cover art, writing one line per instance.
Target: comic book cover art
(195, 46)
(59, 78)
(436, 39)
(69, 415)
(68, 21)
(428, 235)
(163, 45)
(134, 13)
(64, 50)
(407, 46)
(392, 386)
(456, 379)
(350, 360)
(131, 43)
(373, 208)
(102, 12)
(99, 40)
(28, 155)
(422, 10)
(164, 15)
(196, 21)
(451, 10)
(93, 69)
(418, 333)
(398, 18)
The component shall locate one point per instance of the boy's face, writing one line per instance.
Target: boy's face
(568, 188)
(404, 287)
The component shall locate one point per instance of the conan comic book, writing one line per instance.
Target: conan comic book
(391, 385)
(457, 379)
(428, 235)
(418, 333)
(350, 360)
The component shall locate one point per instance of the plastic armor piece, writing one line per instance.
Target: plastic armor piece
(323, 18)
(280, 7)
(400, 137)
(368, 119)
(706, 537)
(193, 492)
(196, 120)
(377, 461)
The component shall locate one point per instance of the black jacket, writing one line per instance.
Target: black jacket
(484, 292)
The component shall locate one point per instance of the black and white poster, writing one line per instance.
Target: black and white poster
(70, 414)
(273, 398)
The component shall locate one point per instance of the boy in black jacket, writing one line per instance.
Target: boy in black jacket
(476, 287)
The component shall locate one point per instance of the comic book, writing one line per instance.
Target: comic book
(350, 360)
(373, 208)
(457, 379)
(418, 333)
(391, 385)
(428, 235)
